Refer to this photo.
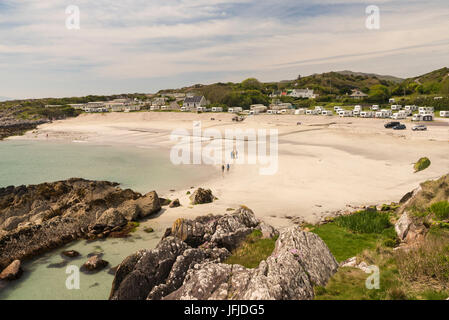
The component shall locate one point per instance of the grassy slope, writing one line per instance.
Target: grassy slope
(419, 273)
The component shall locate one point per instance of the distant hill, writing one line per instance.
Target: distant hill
(381, 77)
(5, 99)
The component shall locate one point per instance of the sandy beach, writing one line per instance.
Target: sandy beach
(325, 163)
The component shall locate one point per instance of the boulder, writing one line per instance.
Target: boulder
(94, 264)
(175, 203)
(130, 210)
(12, 272)
(201, 196)
(402, 226)
(148, 204)
(111, 218)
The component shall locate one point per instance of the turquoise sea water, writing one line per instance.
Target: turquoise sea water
(143, 170)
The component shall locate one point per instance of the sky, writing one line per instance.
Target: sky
(143, 46)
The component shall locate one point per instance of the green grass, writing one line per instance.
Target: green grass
(422, 164)
(252, 251)
(440, 210)
(343, 243)
(365, 222)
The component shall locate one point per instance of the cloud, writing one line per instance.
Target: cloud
(137, 45)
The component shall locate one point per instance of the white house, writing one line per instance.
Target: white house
(303, 93)
(357, 94)
(195, 102)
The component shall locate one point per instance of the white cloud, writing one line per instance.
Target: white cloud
(137, 39)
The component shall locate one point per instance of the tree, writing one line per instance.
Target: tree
(251, 84)
(378, 93)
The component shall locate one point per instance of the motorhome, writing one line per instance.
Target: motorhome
(444, 114)
(327, 113)
(336, 108)
(311, 112)
(375, 107)
(396, 107)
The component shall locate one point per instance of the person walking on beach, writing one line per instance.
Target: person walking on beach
(222, 170)
(228, 167)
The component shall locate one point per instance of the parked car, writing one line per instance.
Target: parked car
(400, 127)
(392, 124)
(420, 127)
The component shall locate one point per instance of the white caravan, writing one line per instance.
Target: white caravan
(345, 113)
(367, 114)
(444, 114)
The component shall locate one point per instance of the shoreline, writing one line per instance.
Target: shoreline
(325, 164)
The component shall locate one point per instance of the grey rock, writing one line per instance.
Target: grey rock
(187, 263)
(402, 226)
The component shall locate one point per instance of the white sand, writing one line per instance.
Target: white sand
(325, 164)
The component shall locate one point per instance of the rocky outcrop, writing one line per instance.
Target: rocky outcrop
(12, 272)
(11, 126)
(188, 263)
(37, 218)
(201, 196)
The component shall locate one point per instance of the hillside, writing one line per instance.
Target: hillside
(435, 82)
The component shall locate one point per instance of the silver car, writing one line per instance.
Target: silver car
(420, 127)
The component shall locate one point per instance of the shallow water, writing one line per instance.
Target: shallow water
(143, 170)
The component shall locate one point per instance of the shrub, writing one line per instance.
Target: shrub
(365, 222)
(422, 164)
(440, 210)
(427, 262)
